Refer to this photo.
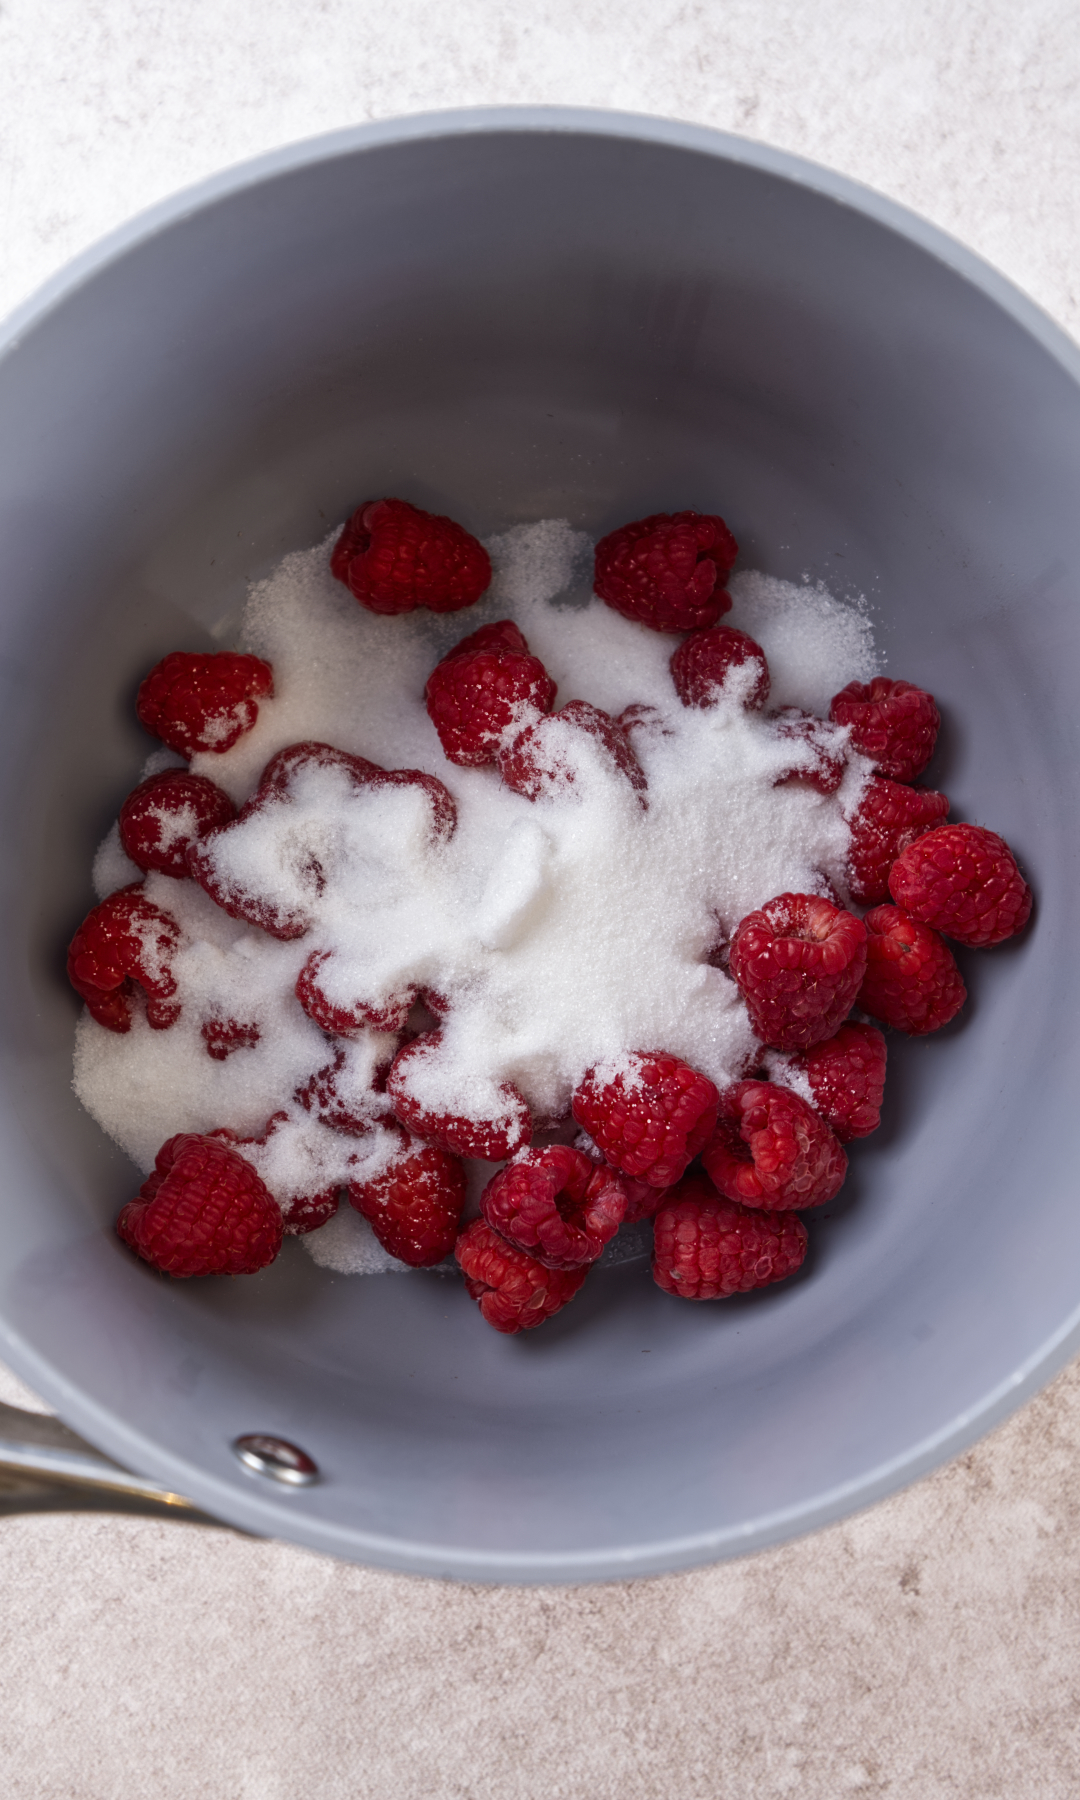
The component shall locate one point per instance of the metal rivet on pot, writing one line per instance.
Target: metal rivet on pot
(276, 1459)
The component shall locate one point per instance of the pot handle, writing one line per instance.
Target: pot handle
(45, 1467)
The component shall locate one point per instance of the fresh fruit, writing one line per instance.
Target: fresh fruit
(414, 1204)
(667, 571)
(703, 662)
(223, 1036)
(888, 818)
(798, 962)
(196, 702)
(821, 755)
(300, 1212)
(475, 699)
(771, 1149)
(540, 760)
(847, 1079)
(706, 1247)
(493, 1137)
(894, 723)
(393, 557)
(502, 635)
(513, 1290)
(648, 1117)
(911, 981)
(204, 1211)
(389, 1013)
(556, 1204)
(127, 939)
(164, 815)
(962, 880)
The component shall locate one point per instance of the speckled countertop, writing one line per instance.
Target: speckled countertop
(924, 1650)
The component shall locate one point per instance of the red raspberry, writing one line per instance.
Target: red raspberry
(557, 1204)
(706, 1247)
(300, 1213)
(536, 761)
(798, 962)
(337, 1095)
(204, 1211)
(701, 664)
(649, 1120)
(473, 699)
(770, 1149)
(667, 571)
(203, 702)
(340, 1021)
(912, 980)
(123, 941)
(164, 815)
(223, 1036)
(962, 880)
(642, 1199)
(502, 635)
(414, 1205)
(513, 1291)
(889, 817)
(493, 1139)
(393, 557)
(894, 723)
(847, 1078)
(826, 771)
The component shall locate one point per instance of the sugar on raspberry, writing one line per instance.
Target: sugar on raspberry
(123, 941)
(649, 1114)
(200, 702)
(715, 657)
(166, 814)
(847, 1079)
(894, 723)
(798, 962)
(912, 981)
(414, 1203)
(820, 756)
(667, 571)
(301, 1211)
(962, 880)
(386, 1013)
(394, 557)
(770, 1149)
(557, 1204)
(888, 818)
(706, 1247)
(203, 1211)
(224, 1035)
(539, 760)
(474, 699)
(493, 1136)
(514, 1291)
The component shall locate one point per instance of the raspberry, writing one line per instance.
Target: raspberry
(203, 702)
(894, 723)
(494, 1138)
(342, 1094)
(163, 816)
(847, 1078)
(823, 768)
(539, 760)
(513, 1291)
(502, 635)
(204, 1211)
(667, 571)
(650, 1119)
(556, 1204)
(798, 963)
(223, 1036)
(706, 1247)
(300, 1213)
(393, 557)
(912, 980)
(414, 1205)
(962, 880)
(642, 1199)
(389, 1014)
(123, 941)
(473, 699)
(702, 663)
(889, 817)
(770, 1149)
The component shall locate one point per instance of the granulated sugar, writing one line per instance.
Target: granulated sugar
(558, 933)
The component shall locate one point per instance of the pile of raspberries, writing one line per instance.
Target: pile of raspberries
(722, 1175)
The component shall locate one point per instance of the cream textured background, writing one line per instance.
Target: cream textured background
(927, 1650)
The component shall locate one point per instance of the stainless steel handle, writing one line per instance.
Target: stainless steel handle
(44, 1467)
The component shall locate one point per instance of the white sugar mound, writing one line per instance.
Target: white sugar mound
(558, 934)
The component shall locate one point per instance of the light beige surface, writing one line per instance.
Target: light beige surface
(927, 1650)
